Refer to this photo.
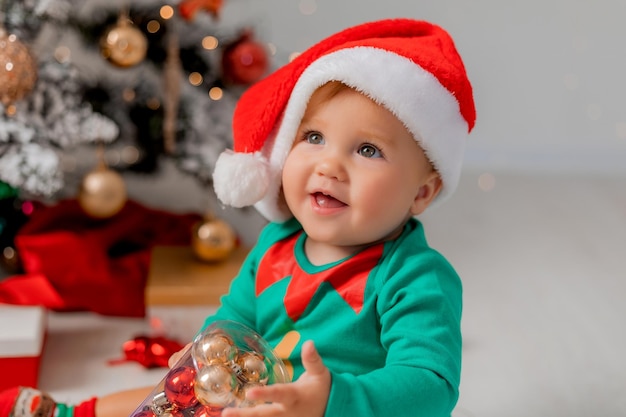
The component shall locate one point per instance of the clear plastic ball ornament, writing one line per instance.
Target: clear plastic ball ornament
(226, 360)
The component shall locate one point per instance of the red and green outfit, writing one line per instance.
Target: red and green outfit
(386, 320)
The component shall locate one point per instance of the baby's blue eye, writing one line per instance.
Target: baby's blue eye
(370, 151)
(315, 138)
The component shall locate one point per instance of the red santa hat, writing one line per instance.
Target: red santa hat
(410, 67)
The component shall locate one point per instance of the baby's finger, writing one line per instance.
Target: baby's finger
(311, 360)
(276, 393)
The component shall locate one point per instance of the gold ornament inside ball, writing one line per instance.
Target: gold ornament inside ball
(253, 368)
(102, 193)
(213, 240)
(215, 386)
(124, 45)
(18, 69)
(213, 349)
(242, 395)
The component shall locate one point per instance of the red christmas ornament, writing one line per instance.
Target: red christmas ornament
(179, 386)
(189, 8)
(151, 352)
(244, 61)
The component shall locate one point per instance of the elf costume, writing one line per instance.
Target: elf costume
(386, 321)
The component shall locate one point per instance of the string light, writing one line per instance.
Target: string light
(210, 42)
(153, 103)
(130, 154)
(195, 79)
(216, 93)
(153, 26)
(128, 94)
(8, 253)
(166, 12)
(62, 54)
(10, 110)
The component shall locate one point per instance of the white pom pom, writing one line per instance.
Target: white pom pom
(241, 179)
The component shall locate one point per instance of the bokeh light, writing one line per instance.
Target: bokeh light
(129, 154)
(195, 79)
(210, 42)
(486, 182)
(216, 93)
(62, 54)
(153, 103)
(166, 12)
(153, 26)
(128, 94)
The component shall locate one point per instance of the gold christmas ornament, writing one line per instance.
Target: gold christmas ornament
(214, 349)
(213, 239)
(102, 193)
(215, 386)
(242, 394)
(18, 69)
(123, 44)
(253, 368)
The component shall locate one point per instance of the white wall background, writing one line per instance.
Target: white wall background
(548, 75)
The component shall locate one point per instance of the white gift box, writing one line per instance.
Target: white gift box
(22, 337)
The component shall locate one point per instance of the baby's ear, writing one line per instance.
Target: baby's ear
(426, 193)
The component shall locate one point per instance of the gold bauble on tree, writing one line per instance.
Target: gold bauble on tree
(123, 44)
(102, 192)
(213, 239)
(18, 69)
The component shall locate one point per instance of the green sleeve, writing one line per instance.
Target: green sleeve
(419, 308)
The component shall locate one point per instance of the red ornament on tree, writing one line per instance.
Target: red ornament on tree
(179, 386)
(189, 8)
(244, 61)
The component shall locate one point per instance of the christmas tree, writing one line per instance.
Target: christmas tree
(153, 79)
(146, 79)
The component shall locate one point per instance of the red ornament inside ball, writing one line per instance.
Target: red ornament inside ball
(179, 386)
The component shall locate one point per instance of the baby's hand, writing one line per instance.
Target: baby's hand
(177, 355)
(306, 397)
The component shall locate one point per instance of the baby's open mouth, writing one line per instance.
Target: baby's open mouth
(327, 201)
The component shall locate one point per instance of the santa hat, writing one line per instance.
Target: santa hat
(410, 67)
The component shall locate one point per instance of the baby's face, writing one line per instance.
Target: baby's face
(354, 172)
